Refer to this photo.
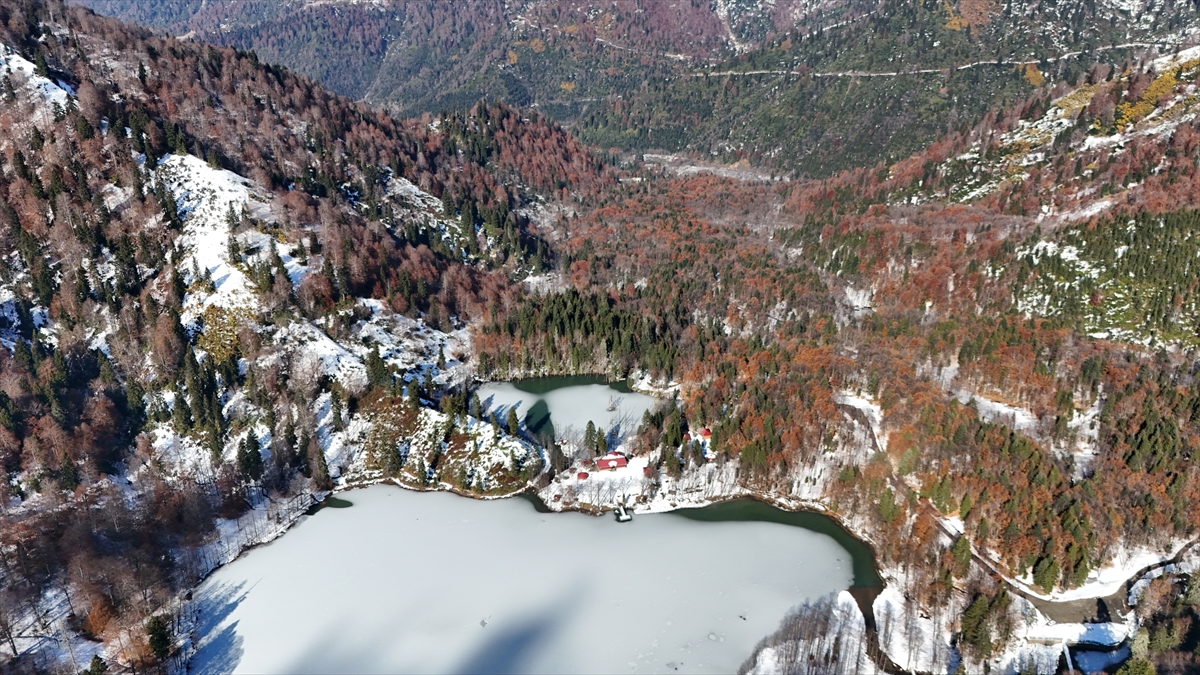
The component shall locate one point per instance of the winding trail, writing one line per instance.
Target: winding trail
(1082, 610)
(917, 71)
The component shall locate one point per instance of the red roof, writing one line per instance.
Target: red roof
(705, 433)
(582, 475)
(687, 437)
(611, 462)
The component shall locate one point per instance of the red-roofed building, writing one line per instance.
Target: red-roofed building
(705, 433)
(582, 475)
(611, 462)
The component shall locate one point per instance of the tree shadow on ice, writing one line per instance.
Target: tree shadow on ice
(511, 649)
(220, 654)
(219, 646)
(491, 409)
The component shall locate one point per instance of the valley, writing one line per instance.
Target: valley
(878, 320)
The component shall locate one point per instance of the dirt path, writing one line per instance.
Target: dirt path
(916, 71)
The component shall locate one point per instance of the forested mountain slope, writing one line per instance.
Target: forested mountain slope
(638, 76)
(217, 277)
(225, 290)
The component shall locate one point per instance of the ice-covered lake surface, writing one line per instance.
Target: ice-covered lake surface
(436, 583)
(571, 403)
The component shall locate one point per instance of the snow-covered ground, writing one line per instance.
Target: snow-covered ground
(412, 345)
(870, 409)
(1019, 655)
(913, 640)
(1101, 634)
(823, 632)
(741, 171)
(1188, 563)
(406, 582)
(1026, 144)
(589, 488)
(42, 92)
(205, 196)
(1106, 580)
(1085, 427)
(1016, 418)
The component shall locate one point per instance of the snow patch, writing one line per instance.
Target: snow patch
(1016, 418)
(41, 91)
(205, 196)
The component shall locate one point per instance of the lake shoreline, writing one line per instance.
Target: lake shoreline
(791, 565)
(531, 491)
(663, 496)
(862, 593)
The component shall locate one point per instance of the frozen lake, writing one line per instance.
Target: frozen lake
(435, 583)
(562, 406)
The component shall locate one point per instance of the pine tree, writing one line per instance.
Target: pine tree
(68, 474)
(378, 374)
(39, 64)
(158, 637)
(8, 410)
(673, 432)
(233, 250)
(961, 550)
(181, 415)
(290, 442)
(975, 630)
(335, 408)
(249, 458)
(887, 506)
(390, 460)
(98, 666)
(512, 423)
(1045, 573)
(320, 471)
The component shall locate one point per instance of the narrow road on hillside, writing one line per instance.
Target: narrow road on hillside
(913, 71)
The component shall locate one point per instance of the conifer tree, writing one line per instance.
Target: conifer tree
(249, 458)
(320, 468)
(181, 415)
(98, 666)
(68, 474)
(512, 423)
(378, 374)
(158, 637)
